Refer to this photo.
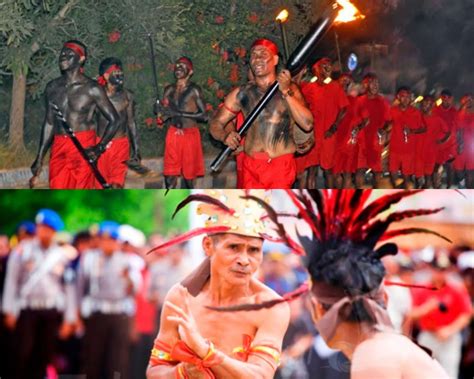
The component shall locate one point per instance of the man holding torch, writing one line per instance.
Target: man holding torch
(279, 131)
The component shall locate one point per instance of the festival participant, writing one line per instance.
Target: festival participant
(78, 98)
(464, 163)
(374, 110)
(347, 281)
(183, 106)
(280, 130)
(196, 341)
(345, 161)
(447, 111)
(406, 122)
(432, 141)
(39, 297)
(113, 162)
(328, 104)
(442, 315)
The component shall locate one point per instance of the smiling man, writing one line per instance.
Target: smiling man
(183, 107)
(282, 128)
(78, 97)
(195, 341)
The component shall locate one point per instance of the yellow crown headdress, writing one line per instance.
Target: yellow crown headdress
(229, 211)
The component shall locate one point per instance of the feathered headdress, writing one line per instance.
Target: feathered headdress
(234, 211)
(227, 211)
(337, 218)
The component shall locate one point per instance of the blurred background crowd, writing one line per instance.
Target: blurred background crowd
(94, 309)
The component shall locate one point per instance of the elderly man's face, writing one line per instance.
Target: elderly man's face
(236, 258)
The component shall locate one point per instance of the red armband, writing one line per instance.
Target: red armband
(183, 353)
(230, 110)
(243, 352)
(161, 355)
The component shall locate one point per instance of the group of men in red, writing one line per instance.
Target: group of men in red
(348, 127)
(353, 125)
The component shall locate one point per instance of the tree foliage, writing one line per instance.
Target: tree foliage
(150, 211)
(215, 35)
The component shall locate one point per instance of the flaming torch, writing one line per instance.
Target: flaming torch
(347, 12)
(341, 11)
(282, 18)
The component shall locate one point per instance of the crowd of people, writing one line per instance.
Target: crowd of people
(86, 303)
(322, 122)
(90, 303)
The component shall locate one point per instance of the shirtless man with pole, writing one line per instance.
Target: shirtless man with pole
(272, 141)
(78, 98)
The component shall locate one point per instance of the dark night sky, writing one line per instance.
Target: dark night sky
(430, 42)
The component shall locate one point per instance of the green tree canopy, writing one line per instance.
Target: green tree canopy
(149, 211)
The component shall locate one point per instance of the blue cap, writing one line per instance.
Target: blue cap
(49, 218)
(28, 227)
(109, 229)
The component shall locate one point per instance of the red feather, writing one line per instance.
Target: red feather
(403, 232)
(204, 199)
(409, 285)
(188, 235)
(375, 208)
(267, 304)
(302, 211)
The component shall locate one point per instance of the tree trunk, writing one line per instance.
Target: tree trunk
(17, 111)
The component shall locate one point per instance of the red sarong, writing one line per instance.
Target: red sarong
(67, 168)
(111, 162)
(261, 171)
(183, 153)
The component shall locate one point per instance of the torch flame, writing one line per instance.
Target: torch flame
(282, 16)
(347, 12)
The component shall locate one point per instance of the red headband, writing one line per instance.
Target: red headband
(266, 43)
(78, 49)
(186, 61)
(101, 79)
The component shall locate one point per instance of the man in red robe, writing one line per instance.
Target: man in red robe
(374, 110)
(464, 163)
(449, 114)
(406, 123)
(328, 104)
(427, 146)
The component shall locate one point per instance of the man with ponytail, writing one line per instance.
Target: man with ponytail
(347, 279)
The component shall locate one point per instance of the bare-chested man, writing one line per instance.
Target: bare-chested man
(183, 107)
(279, 131)
(113, 163)
(197, 342)
(78, 97)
